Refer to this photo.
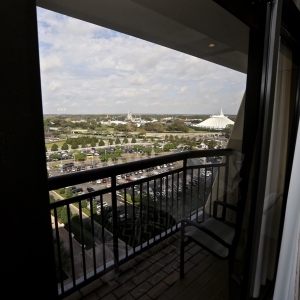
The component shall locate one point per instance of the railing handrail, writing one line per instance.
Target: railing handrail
(108, 171)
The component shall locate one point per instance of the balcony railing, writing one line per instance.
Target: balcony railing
(98, 231)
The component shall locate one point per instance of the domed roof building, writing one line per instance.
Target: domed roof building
(217, 122)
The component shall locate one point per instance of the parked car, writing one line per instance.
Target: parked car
(123, 217)
(79, 191)
(73, 188)
(108, 208)
(110, 214)
(90, 189)
(105, 205)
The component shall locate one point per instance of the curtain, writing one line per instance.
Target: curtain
(267, 251)
(286, 280)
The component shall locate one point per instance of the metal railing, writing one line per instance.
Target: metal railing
(98, 231)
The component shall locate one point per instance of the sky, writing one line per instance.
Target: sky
(88, 69)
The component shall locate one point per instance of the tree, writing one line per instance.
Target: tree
(117, 141)
(125, 140)
(228, 130)
(157, 150)
(212, 144)
(142, 132)
(101, 151)
(68, 193)
(178, 125)
(101, 143)
(110, 141)
(56, 133)
(55, 156)
(168, 147)
(74, 145)
(133, 140)
(54, 147)
(65, 146)
(80, 156)
(148, 150)
(128, 198)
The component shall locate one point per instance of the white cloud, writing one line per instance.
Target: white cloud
(120, 102)
(50, 62)
(90, 69)
(130, 93)
(54, 85)
(137, 79)
(182, 90)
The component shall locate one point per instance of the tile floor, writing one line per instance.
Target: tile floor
(155, 275)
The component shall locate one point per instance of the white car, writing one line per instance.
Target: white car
(105, 204)
(98, 181)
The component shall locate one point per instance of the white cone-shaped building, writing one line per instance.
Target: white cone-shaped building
(217, 122)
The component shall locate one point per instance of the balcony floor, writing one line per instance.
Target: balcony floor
(155, 275)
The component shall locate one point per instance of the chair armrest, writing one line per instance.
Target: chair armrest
(203, 228)
(224, 204)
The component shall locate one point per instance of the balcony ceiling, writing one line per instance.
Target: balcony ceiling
(188, 26)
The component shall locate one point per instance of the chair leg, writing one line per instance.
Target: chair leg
(181, 260)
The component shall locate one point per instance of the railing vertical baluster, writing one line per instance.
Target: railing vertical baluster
(125, 204)
(172, 197)
(160, 206)
(218, 182)
(154, 213)
(71, 244)
(226, 185)
(115, 223)
(148, 217)
(205, 192)
(83, 265)
(192, 190)
(210, 194)
(133, 220)
(58, 249)
(166, 199)
(141, 216)
(103, 233)
(179, 216)
(93, 234)
(184, 187)
(198, 194)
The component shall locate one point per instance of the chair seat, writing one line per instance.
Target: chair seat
(209, 243)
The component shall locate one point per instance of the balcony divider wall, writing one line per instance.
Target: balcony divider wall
(27, 257)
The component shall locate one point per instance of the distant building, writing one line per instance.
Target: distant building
(217, 122)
